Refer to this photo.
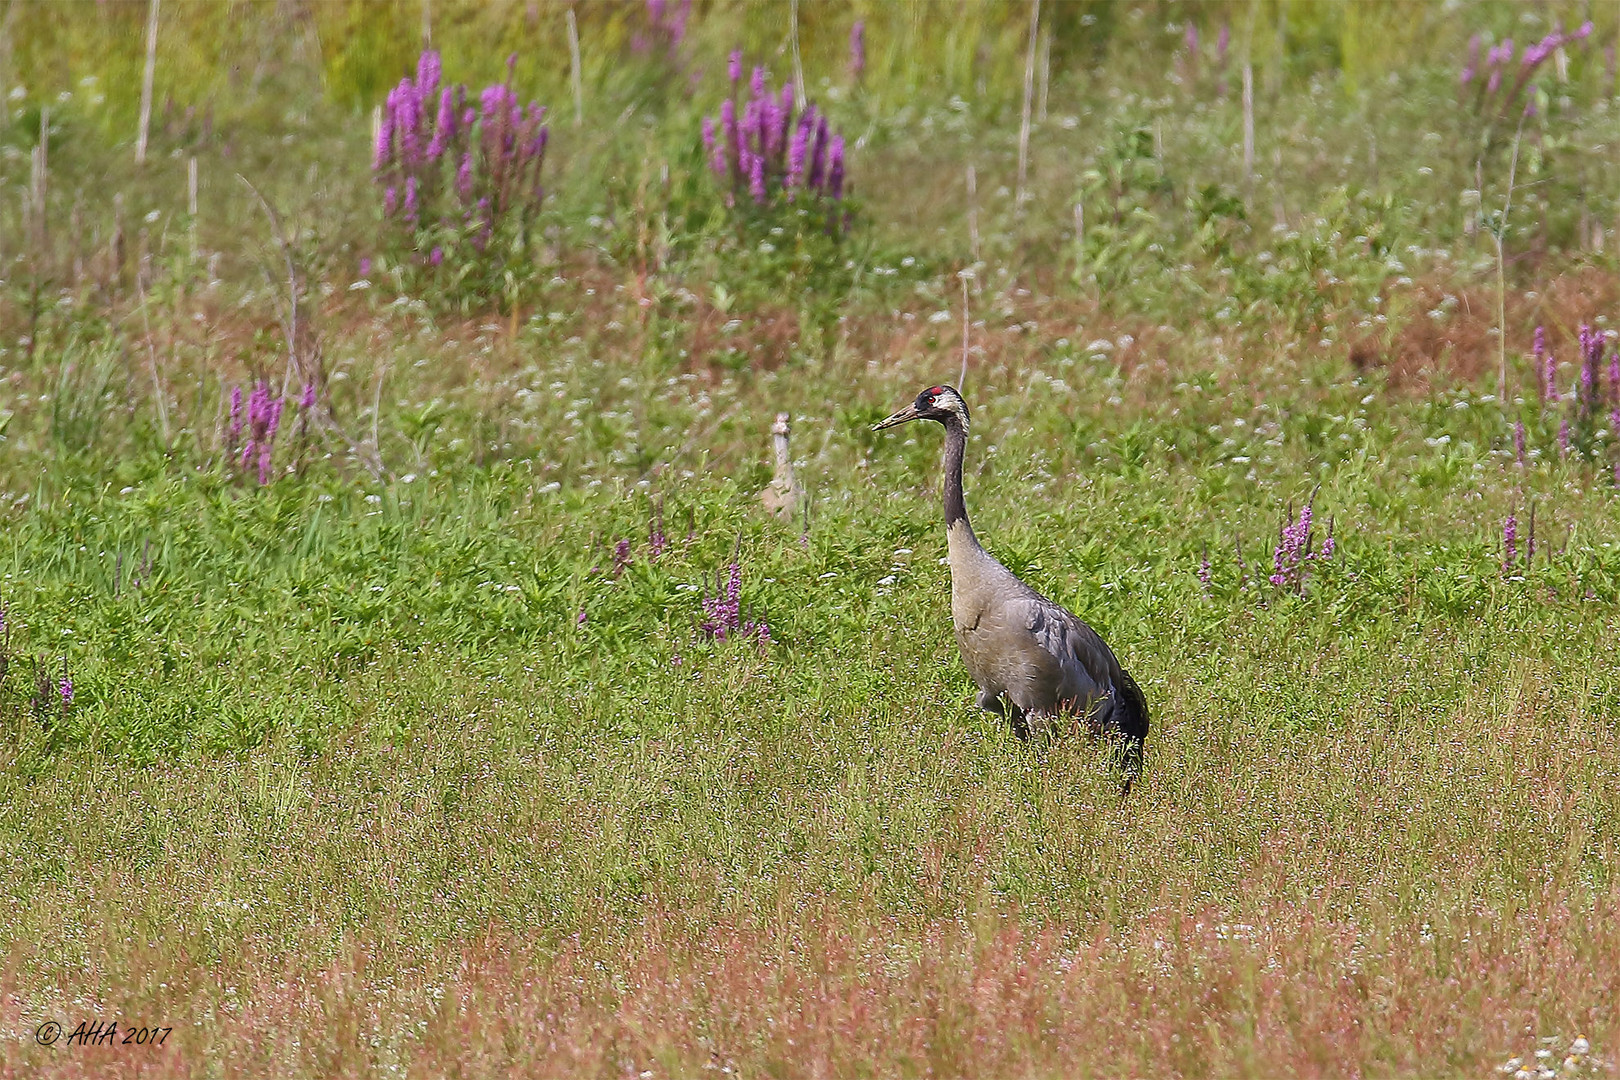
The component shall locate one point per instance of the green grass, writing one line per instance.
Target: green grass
(395, 766)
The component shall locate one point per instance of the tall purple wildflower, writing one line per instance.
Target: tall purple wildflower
(436, 154)
(263, 421)
(1563, 438)
(1510, 542)
(65, 687)
(723, 616)
(1592, 343)
(428, 69)
(1498, 69)
(444, 128)
(1518, 442)
(762, 144)
(857, 50)
(1546, 367)
(656, 540)
(734, 65)
(666, 27)
(1293, 553)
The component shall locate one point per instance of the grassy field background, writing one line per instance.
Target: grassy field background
(410, 755)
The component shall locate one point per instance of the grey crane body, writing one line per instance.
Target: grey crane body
(1032, 660)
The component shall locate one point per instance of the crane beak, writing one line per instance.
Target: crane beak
(907, 413)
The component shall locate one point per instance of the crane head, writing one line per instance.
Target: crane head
(938, 403)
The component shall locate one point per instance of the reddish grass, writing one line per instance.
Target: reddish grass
(1296, 990)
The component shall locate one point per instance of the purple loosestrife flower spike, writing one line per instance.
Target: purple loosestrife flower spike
(407, 122)
(1204, 573)
(436, 256)
(490, 101)
(795, 165)
(756, 85)
(783, 117)
(734, 65)
(1510, 543)
(390, 200)
(444, 128)
(1563, 438)
(835, 168)
(65, 688)
(307, 399)
(464, 178)
(1191, 40)
(756, 179)
(709, 142)
(621, 557)
(1518, 442)
(857, 49)
(236, 415)
(818, 155)
(410, 200)
(427, 73)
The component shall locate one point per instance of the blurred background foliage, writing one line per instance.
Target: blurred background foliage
(222, 55)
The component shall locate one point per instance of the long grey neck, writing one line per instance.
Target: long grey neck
(955, 447)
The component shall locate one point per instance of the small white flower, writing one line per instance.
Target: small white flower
(1580, 1046)
(373, 499)
(887, 580)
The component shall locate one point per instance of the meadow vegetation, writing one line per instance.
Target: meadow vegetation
(399, 675)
